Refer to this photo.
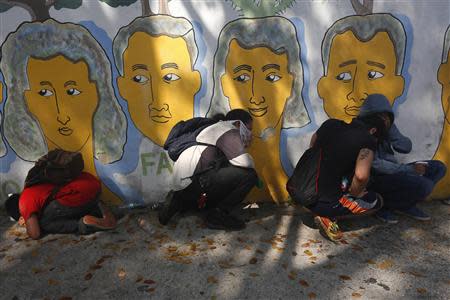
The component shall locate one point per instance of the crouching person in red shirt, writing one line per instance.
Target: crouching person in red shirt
(75, 208)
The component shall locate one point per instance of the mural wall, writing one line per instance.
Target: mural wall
(110, 78)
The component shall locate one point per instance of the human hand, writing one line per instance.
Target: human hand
(420, 168)
(21, 221)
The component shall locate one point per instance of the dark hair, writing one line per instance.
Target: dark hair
(238, 114)
(375, 121)
(218, 117)
(12, 206)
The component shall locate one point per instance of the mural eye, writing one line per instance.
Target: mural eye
(140, 79)
(171, 77)
(273, 78)
(45, 93)
(242, 78)
(374, 75)
(344, 76)
(73, 92)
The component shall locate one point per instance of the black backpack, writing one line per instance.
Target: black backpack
(57, 166)
(303, 186)
(183, 135)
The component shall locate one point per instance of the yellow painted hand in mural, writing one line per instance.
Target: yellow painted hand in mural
(63, 100)
(357, 69)
(258, 81)
(159, 83)
(442, 189)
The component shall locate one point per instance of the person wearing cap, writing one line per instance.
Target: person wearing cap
(401, 185)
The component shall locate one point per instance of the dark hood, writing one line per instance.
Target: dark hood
(376, 103)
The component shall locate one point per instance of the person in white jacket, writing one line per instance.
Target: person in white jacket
(217, 173)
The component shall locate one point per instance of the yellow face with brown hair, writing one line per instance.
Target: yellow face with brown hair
(159, 83)
(63, 100)
(357, 69)
(444, 80)
(258, 81)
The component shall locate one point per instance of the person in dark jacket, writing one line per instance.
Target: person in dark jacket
(347, 151)
(217, 173)
(401, 185)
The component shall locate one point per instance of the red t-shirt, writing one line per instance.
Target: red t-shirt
(78, 192)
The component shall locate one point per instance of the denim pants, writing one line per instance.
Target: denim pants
(403, 190)
(58, 218)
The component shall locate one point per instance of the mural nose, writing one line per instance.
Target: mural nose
(358, 93)
(63, 119)
(163, 107)
(257, 100)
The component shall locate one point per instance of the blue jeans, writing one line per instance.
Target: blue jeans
(403, 190)
(58, 218)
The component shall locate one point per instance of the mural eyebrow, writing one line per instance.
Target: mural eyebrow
(139, 66)
(169, 65)
(270, 66)
(348, 62)
(46, 83)
(242, 67)
(70, 82)
(376, 64)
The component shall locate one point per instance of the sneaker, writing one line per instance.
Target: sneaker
(219, 219)
(90, 224)
(328, 228)
(168, 209)
(415, 213)
(446, 201)
(386, 216)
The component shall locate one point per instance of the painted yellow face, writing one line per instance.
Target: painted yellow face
(444, 79)
(257, 80)
(159, 83)
(357, 69)
(63, 100)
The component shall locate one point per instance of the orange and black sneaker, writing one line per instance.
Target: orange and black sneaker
(328, 228)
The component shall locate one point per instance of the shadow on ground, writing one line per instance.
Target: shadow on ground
(275, 257)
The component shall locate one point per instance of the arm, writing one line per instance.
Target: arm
(383, 166)
(399, 142)
(362, 172)
(32, 225)
(231, 145)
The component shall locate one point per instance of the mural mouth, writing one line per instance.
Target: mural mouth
(352, 110)
(160, 118)
(66, 131)
(257, 112)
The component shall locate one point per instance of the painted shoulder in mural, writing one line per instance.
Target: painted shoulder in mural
(442, 189)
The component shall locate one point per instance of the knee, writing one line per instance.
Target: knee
(252, 177)
(424, 188)
(440, 167)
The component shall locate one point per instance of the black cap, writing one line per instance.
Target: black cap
(12, 206)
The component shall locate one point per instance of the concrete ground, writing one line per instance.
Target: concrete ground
(275, 257)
